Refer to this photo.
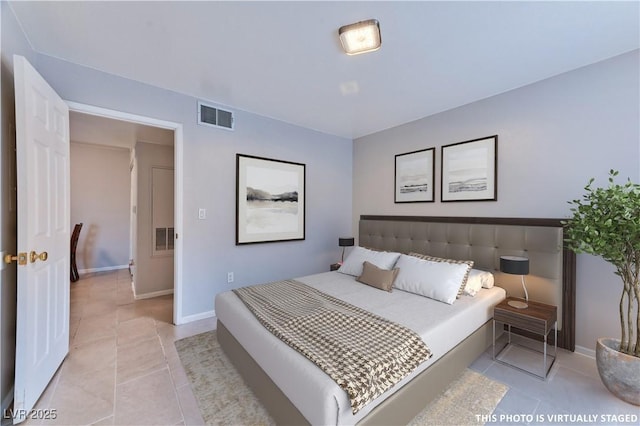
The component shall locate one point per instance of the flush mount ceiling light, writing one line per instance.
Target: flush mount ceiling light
(361, 37)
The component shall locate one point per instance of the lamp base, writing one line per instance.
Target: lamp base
(517, 304)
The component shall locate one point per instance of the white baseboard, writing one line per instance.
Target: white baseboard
(105, 268)
(196, 317)
(152, 294)
(591, 353)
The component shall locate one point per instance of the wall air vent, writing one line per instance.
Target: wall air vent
(209, 115)
(165, 239)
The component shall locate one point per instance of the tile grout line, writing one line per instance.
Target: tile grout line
(83, 317)
(99, 420)
(173, 383)
(147, 374)
(535, 409)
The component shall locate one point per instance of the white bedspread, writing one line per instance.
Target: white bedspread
(316, 396)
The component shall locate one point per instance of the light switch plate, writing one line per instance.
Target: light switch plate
(202, 213)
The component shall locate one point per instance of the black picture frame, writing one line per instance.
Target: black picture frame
(469, 170)
(414, 177)
(270, 200)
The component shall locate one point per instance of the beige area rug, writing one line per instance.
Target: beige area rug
(224, 399)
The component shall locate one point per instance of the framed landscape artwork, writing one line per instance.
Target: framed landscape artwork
(270, 200)
(414, 177)
(470, 170)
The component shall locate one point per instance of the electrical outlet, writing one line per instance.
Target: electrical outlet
(229, 277)
(202, 213)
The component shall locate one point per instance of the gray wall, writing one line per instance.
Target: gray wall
(209, 182)
(552, 137)
(153, 274)
(13, 42)
(100, 196)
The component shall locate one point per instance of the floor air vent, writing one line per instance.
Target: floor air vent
(215, 117)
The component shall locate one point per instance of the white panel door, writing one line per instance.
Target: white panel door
(42, 150)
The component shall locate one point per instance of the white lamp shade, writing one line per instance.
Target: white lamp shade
(360, 37)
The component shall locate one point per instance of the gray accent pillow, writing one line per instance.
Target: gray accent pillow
(377, 277)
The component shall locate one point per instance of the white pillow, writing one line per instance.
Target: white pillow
(441, 259)
(354, 262)
(474, 283)
(487, 279)
(435, 280)
(478, 279)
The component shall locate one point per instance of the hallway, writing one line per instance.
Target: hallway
(122, 366)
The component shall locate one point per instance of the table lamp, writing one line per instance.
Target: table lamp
(517, 266)
(345, 242)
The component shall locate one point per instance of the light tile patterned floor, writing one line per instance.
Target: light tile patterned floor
(122, 366)
(572, 389)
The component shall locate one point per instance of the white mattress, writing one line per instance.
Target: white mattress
(315, 394)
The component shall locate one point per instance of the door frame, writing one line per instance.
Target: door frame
(178, 185)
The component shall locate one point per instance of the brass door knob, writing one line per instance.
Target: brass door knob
(21, 258)
(33, 256)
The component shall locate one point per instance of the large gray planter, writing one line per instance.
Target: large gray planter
(619, 372)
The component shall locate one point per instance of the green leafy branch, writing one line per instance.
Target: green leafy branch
(606, 223)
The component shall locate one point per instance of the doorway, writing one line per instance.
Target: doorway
(148, 125)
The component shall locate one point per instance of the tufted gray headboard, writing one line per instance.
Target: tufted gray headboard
(551, 276)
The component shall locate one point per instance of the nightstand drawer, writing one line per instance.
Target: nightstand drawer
(537, 318)
(534, 325)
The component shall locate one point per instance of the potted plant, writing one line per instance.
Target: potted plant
(606, 223)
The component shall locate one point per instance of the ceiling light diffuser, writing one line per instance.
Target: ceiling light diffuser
(361, 37)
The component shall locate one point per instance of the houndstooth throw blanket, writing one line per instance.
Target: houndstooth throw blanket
(362, 352)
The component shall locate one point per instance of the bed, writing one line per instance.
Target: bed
(295, 391)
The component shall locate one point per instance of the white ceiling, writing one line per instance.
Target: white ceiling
(283, 59)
